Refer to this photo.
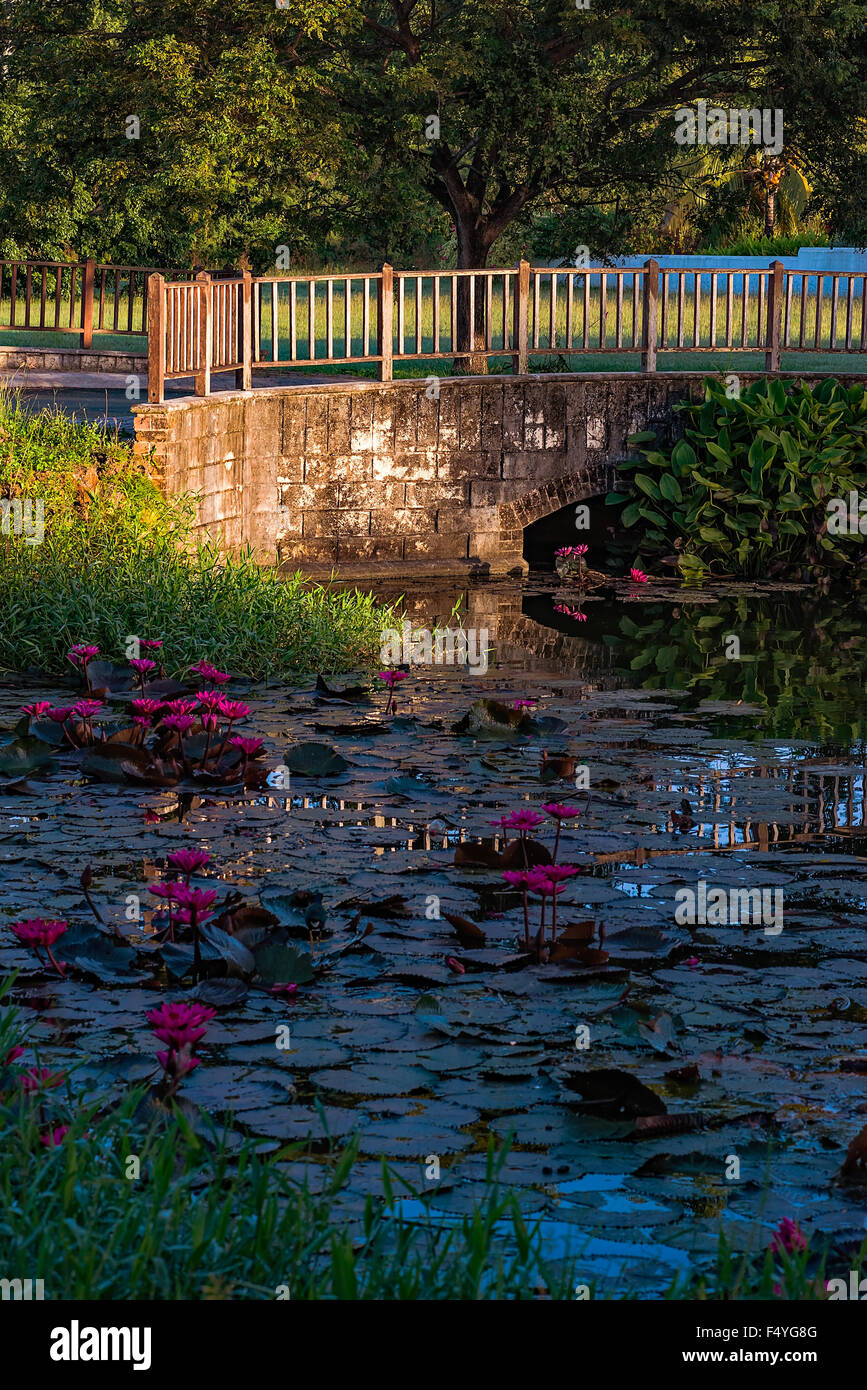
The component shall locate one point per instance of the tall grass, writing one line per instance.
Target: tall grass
(116, 561)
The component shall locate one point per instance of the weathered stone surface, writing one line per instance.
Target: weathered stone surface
(382, 472)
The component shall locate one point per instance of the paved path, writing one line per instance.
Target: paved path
(101, 396)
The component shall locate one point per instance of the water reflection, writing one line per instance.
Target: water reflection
(799, 659)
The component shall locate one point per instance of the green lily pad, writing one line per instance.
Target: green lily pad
(283, 965)
(315, 760)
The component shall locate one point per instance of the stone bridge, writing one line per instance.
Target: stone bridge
(403, 477)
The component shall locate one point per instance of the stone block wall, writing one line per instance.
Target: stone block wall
(371, 477)
(73, 360)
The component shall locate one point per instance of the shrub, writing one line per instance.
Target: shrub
(746, 490)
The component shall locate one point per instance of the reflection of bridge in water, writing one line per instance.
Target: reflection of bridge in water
(517, 640)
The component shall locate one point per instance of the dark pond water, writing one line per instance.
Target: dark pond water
(706, 1040)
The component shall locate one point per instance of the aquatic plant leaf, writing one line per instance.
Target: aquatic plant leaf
(23, 757)
(468, 933)
(118, 762)
(282, 964)
(220, 994)
(854, 1167)
(484, 855)
(234, 953)
(613, 1094)
(349, 695)
(492, 719)
(315, 760)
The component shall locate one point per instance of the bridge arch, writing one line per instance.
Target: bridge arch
(579, 486)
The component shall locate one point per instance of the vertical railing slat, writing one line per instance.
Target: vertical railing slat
(489, 311)
(365, 318)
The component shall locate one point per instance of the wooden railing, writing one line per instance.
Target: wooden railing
(83, 296)
(389, 316)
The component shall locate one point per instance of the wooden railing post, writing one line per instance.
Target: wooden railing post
(244, 377)
(650, 316)
(156, 339)
(86, 338)
(520, 330)
(775, 317)
(205, 349)
(385, 322)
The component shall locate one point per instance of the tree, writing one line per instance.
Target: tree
(330, 117)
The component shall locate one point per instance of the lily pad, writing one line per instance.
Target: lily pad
(315, 760)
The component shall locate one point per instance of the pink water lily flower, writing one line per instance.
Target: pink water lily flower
(391, 678)
(188, 861)
(638, 576)
(565, 551)
(250, 747)
(38, 710)
(234, 710)
(287, 990)
(165, 890)
(55, 1137)
(12, 1055)
(180, 706)
(522, 820)
(557, 873)
(181, 723)
(150, 644)
(211, 699)
(86, 709)
(518, 878)
(81, 654)
(142, 665)
(175, 1024)
(41, 935)
(200, 899)
(178, 1064)
(37, 931)
(788, 1238)
(523, 704)
(61, 714)
(210, 673)
(580, 549)
(558, 811)
(575, 613)
(39, 1079)
(146, 706)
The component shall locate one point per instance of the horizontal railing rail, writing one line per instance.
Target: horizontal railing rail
(388, 316)
(78, 296)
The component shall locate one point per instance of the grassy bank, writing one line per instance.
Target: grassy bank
(112, 564)
(140, 1199)
(209, 1217)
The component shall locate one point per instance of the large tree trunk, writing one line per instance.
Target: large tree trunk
(471, 338)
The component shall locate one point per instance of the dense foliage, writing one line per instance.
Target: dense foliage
(309, 125)
(747, 489)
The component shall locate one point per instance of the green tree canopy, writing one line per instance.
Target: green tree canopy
(308, 125)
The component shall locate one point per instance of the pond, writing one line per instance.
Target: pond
(688, 1056)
